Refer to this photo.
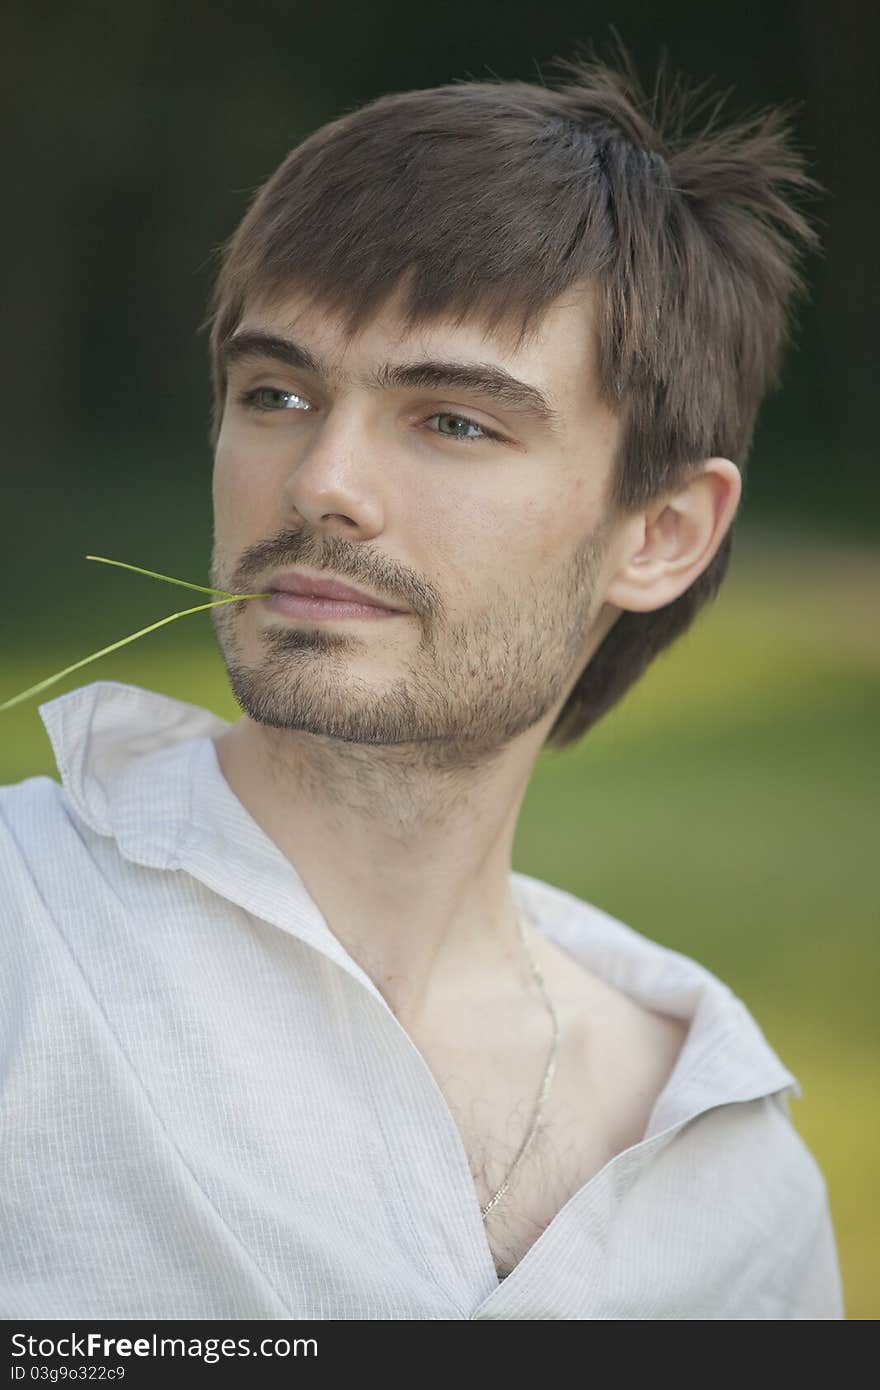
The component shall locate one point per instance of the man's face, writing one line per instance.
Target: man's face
(458, 504)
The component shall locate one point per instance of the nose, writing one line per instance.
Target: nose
(335, 482)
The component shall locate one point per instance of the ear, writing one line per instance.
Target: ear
(669, 544)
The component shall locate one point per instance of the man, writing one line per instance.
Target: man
(286, 1036)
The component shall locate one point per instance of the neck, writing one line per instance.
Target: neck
(407, 857)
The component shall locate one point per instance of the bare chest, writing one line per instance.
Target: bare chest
(607, 1079)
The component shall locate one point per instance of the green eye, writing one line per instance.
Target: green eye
(468, 424)
(273, 398)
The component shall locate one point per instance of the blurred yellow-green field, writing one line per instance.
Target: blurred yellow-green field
(728, 808)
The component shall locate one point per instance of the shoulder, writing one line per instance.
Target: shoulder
(758, 1141)
(43, 855)
(35, 815)
(737, 1208)
(775, 1197)
(33, 827)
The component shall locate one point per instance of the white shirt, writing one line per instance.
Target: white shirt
(208, 1110)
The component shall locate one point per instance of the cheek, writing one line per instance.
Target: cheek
(542, 534)
(492, 553)
(241, 483)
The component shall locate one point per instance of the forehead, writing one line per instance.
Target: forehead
(558, 356)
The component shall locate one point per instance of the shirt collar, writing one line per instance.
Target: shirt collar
(111, 742)
(141, 767)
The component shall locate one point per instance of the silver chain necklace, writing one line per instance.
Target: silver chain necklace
(548, 1074)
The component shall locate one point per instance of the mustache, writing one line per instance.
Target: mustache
(339, 559)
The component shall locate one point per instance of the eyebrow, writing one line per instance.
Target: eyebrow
(481, 378)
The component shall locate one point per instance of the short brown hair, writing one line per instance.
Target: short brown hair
(486, 200)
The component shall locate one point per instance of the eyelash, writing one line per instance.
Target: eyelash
(249, 400)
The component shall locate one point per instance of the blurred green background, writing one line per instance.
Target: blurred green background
(727, 807)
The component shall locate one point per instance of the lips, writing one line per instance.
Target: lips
(295, 582)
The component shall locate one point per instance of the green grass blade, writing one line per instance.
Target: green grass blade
(170, 580)
(50, 680)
